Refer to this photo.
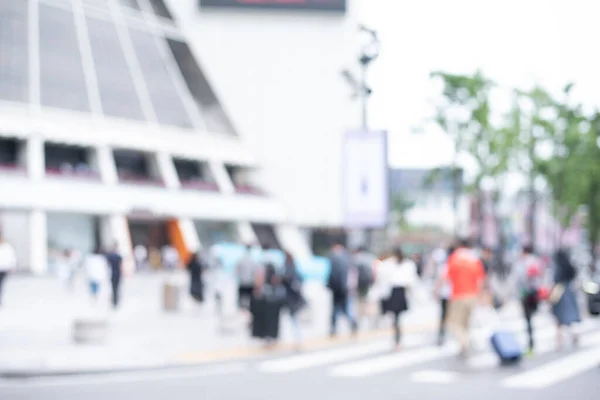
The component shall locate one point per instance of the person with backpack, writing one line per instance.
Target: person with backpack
(529, 281)
(363, 262)
(338, 283)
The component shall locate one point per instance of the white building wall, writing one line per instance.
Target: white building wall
(278, 75)
(14, 227)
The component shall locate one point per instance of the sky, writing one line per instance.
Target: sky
(517, 43)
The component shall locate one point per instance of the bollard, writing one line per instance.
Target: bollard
(170, 297)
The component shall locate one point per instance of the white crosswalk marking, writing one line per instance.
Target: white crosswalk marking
(295, 363)
(383, 364)
(555, 371)
(367, 360)
(429, 376)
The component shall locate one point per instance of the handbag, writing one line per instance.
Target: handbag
(556, 293)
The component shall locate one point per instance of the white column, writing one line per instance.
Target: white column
(246, 233)
(106, 165)
(221, 176)
(38, 234)
(190, 235)
(36, 160)
(106, 233)
(119, 232)
(167, 171)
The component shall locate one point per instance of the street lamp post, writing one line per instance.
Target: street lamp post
(368, 54)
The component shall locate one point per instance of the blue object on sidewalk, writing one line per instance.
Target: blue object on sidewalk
(507, 347)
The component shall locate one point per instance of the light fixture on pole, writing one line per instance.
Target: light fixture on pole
(361, 90)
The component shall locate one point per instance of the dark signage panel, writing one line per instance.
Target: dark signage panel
(316, 5)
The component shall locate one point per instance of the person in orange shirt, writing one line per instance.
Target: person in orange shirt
(466, 276)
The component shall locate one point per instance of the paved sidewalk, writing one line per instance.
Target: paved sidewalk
(38, 313)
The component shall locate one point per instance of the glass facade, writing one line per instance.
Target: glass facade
(62, 80)
(115, 83)
(168, 105)
(160, 9)
(130, 3)
(14, 71)
(140, 73)
(213, 232)
(214, 116)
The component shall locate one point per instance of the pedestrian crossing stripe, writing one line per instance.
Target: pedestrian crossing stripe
(339, 355)
(328, 357)
(367, 360)
(296, 363)
(432, 376)
(381, 364)
(559, 370)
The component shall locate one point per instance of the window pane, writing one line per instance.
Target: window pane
(160, 9)
(97, 3)
(214, 115)
(115, 84)
(167, 103)
(130, 3)
(61, 72)
(14, 72)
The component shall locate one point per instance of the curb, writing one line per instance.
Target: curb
(194, 359)
(23, 374)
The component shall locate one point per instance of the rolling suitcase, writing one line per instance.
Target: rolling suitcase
(507, 347)
(266, 314)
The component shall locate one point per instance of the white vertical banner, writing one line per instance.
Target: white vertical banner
(365, 179)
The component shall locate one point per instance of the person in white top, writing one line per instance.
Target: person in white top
(399, 275)
(444, 296)
(96, 268)
(8, 261)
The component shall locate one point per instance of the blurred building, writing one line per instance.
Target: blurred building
(170, 121)
(430, 193)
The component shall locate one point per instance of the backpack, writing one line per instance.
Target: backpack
(365, 276)
(534, 280)
(336, 282)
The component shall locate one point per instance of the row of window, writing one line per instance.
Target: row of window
(134, 74)
(132, 166)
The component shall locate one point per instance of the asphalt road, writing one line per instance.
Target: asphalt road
(355, 371)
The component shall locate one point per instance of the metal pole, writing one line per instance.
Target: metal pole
(364, 93)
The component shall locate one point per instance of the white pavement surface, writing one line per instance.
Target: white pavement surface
(419, 371)
(37, 315)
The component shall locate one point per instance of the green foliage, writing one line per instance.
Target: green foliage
(535, 121)
(401, 205)
(463, 112)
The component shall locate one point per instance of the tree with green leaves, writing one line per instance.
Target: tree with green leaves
(572, 169)
(463, 112)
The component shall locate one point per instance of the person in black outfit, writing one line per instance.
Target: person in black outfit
(294, 300)
(265, 306)
(195, 269)
(115, 261)
(338, 284)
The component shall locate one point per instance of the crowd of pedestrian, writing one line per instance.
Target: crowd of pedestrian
(361, 285)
